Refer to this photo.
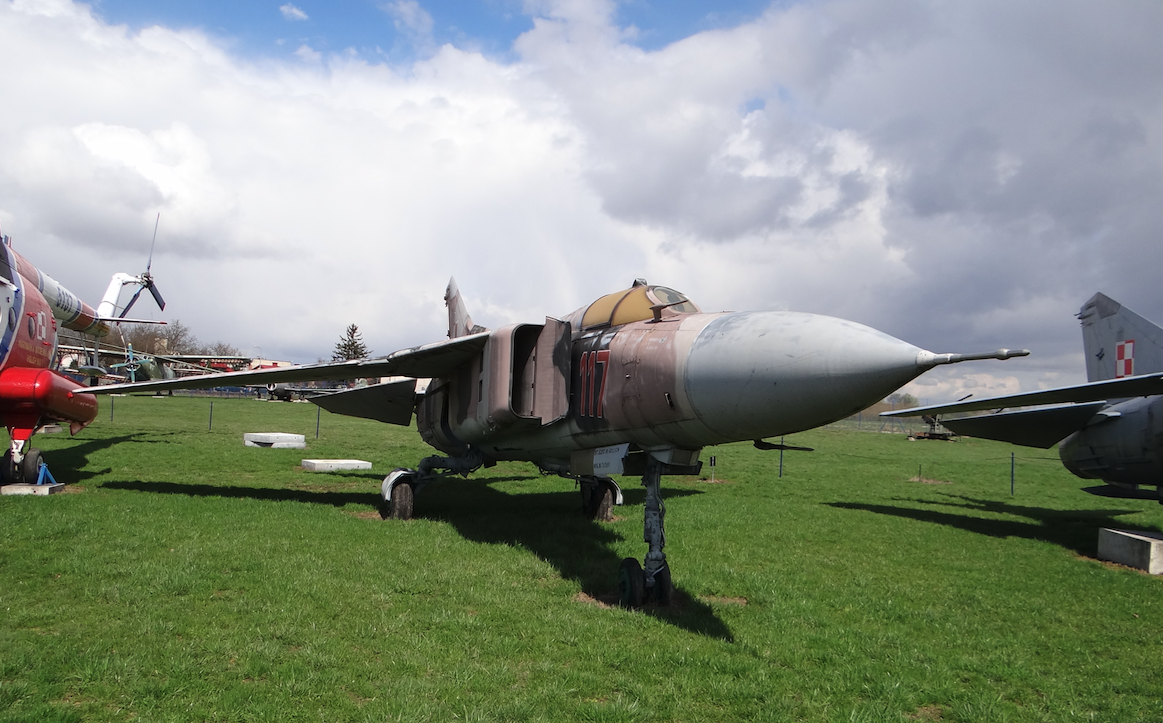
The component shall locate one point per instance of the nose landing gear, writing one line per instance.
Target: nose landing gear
(640, 584)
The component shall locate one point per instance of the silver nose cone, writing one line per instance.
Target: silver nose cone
(764, 373)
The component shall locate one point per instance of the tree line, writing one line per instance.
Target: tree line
(173, 338)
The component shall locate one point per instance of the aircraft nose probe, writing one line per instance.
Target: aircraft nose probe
(928, 360)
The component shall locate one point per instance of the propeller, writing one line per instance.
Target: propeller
(145, 281)
(130, 364)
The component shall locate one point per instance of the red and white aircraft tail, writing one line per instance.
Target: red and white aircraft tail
(1118, 342)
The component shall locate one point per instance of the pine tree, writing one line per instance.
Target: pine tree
(351, 346)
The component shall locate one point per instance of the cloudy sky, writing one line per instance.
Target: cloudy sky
(962, 175)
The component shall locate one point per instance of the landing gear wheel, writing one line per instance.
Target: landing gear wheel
(631, 583)
(7, 469)
(663, 591)
(600, 503)
(400, 507)
(30, 466)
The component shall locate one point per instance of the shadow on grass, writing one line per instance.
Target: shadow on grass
(552, 527)
(346, 476)
(270, 494)
(76, 457)
(547, 524)
(1071, 529)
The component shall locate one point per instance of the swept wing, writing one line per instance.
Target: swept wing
(389, 402)
(429, 360)
(1125, 388)
(1042, 428)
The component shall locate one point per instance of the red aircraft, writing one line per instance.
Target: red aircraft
(32, 395)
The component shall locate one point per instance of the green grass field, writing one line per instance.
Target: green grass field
(190, 578)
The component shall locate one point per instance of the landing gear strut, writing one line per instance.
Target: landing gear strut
(651, 582)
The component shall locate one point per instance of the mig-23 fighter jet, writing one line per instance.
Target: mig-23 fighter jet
(636, 383)
(1110, 428)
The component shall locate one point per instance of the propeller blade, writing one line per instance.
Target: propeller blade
(161, 303)
(152, 242)
(130, 304)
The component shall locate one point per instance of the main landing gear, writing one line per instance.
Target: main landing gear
(18, 466)
(599, 495)
(398, 490)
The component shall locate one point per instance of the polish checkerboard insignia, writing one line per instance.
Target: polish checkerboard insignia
(1125, 358)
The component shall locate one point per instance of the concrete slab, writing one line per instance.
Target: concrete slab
(23, 489)
(331, 465)
(1140, 550)
(50, 429)
(274, 440)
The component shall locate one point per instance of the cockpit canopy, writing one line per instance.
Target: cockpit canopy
(640, 302)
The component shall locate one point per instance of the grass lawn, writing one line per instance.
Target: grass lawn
(189, 578)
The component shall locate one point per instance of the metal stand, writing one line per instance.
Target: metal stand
(43, 476)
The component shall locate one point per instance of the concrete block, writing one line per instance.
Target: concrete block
(274, 440)
(23, 489)
(331, 465)
(50, 429)
(1140, 550)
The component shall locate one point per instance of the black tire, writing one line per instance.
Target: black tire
(30, 466)
(631, 583)
(400, 507)
(600, 503)
(663, 591)
(7, 469)
(605, 511)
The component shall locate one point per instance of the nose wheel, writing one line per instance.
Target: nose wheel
(633, 591)
(631, 584)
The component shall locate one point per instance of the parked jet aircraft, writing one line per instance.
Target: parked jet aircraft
(1110, 428)
(636, 383)
(78, 361)
(31, 394)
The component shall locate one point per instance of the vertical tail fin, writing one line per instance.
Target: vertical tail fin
(459, 322)
(1117, 341)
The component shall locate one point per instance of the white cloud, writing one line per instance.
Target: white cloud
(290, 12)
(962, 175)
(308, 54)
(411, 20)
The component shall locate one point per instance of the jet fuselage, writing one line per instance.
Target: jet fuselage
(682, 382)
(1122, 445)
